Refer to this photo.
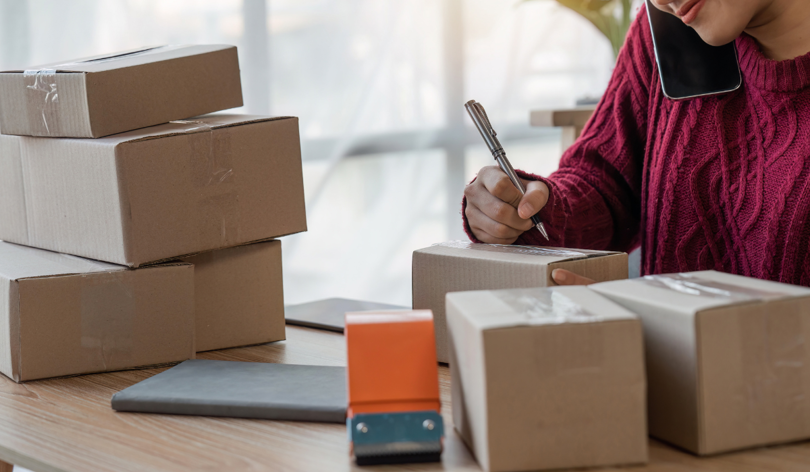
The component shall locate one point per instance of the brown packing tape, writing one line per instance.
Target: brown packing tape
(42, 101)
(107, 319)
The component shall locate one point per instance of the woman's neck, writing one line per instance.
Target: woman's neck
(782, 29)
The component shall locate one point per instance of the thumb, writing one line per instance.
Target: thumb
(533, 200)
(566, 277)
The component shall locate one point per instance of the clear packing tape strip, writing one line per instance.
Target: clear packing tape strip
(211, 153)
(528, 250)
(699, 286)
(546, 306)
(43, 93)
(43, 106)
(212, 172)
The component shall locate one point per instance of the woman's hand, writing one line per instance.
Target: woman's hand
(566, 277)
(495, 210)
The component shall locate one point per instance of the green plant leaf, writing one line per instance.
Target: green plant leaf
(611, 17)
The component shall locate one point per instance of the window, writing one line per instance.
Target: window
(379, 86)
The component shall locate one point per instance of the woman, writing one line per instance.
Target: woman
(720, 182)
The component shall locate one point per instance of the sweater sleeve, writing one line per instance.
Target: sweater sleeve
(595, 195)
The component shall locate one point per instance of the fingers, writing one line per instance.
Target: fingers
(498, 184)
(488, 230)
(566, 277)
(534, 200)
(494, 208)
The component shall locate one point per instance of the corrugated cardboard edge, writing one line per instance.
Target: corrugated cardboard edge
(14, 330)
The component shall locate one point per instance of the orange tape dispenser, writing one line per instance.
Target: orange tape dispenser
(393, 380)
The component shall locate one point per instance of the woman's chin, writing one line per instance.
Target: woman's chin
(718, 26)
(715, 36)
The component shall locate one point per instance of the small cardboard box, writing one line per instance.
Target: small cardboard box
(728, 365)
(64, 315)
(104, 95)
(240, 296)
(457, 266)
(158, 193)
(547, 378)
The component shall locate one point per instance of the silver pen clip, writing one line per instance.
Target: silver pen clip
(484, 118)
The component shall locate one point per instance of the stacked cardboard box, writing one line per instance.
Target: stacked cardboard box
(175, 214)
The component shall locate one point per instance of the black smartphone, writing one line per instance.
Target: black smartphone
(688, 66)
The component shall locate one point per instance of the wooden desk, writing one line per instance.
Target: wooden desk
(68, 425)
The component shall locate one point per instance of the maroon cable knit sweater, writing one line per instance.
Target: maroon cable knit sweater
(710, 183)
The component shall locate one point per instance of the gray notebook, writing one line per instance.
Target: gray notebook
(329, 314)
(241, 390)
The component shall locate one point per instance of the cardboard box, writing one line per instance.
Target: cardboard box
(727, 362)
(158, 193)
(64, 315)
(547, 378)
(104, 95)
(239, 296)
(457, 266)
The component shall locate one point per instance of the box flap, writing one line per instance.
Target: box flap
(21, 262)
(131, 58)
(519, 254)
(192, 125)
(696, 291)
(493, 309)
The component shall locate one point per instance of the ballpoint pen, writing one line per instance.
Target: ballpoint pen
(479, 117)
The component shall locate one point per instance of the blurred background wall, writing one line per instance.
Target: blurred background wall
(379, 86)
